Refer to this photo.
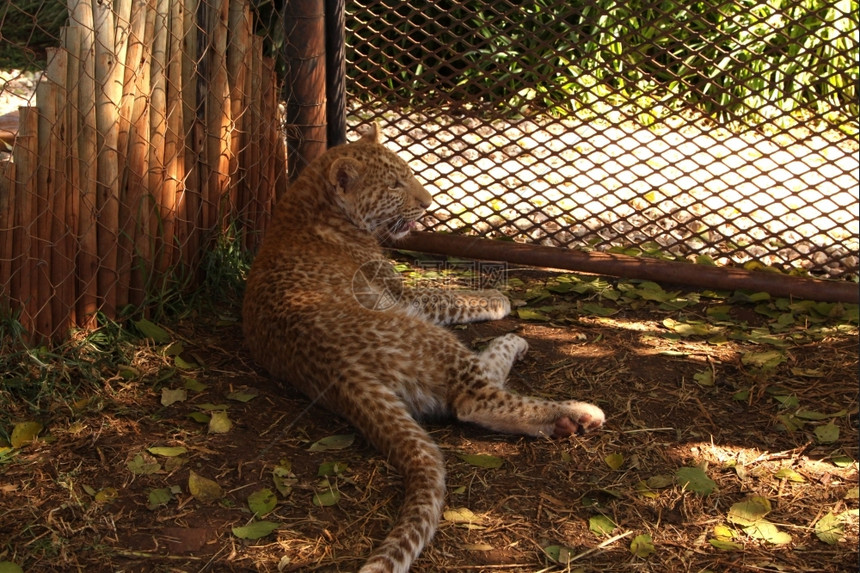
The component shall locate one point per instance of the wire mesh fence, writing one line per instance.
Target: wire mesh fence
(719, 131)
(723, 132)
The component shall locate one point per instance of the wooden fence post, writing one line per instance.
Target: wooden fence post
(304, 23)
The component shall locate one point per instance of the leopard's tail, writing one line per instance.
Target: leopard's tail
(409, 448)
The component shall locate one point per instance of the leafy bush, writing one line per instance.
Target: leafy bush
(743, 59)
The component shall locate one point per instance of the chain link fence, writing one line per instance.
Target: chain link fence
(722, 132)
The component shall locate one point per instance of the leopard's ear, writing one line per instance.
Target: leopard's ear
(372, 134)
(344, 172)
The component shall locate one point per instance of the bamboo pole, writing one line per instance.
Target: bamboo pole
(257, 128)
(218, 117)
(137, 215)
(269, 109)
(25, 155)
(175, 190)
(63, 237)
(43, 241)
(133, 171)
(8, 198)
(109, 74)
(88, 256)
(71, 42)
(157, 137)
(239, 26)
(306, 109)
(191, 129)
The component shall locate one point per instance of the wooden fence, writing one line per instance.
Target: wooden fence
(156, 127)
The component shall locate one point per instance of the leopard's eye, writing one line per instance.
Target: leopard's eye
(395, 183)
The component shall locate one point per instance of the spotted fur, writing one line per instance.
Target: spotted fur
(325, 312)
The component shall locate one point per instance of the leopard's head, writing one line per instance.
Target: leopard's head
(376, 189)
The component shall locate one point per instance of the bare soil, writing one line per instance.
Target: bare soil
(71, 502)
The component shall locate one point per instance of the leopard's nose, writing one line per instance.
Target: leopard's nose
(424, 198)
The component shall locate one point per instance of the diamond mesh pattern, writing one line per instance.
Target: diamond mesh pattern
(728, 131)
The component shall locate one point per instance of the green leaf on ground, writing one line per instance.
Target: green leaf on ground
(243, 396)
(529, 314)
(830, 529)
(10, 567)
(24, 433)
(326, 498)
(171, 396)
(284, 478)
(749, 511)
(151, 330)
(203, 489)
(768, 532)
(614, 461)
(790, 475)
(725, 544)
(695, 480)
(766, 360)
(642, 546)
(167, 451)
(827, 434)
(158, 497)
(262, 501)
(193, 384)
(255, 530)
(601, 525)
(482, 460)
(463, 516)
(336, 442)
(220, 423)
(331, 469)
(705, 377)
(558, 554)
(143, 464)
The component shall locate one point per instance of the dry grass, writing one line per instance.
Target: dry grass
(58, 513)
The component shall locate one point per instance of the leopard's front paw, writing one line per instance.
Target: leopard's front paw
(578, 418)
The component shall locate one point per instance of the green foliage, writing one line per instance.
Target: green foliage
(742, 61)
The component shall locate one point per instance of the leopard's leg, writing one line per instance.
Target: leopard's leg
(499, 356)
(444, 307)
(477, 396)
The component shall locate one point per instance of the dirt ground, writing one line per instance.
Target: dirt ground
(89, 494)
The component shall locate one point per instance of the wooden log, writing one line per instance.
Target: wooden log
(157, 137)
(109, 75)
(134, 169)
(71, 43)
(191, 129)
(253, 168)
(271, 134)
(175, 189)
(62, 235)
(87, 139)
(306, 109)
(136, 216)
(218, 118)
(43, 241)
(7, 234)
(25, 155)
(239, 26)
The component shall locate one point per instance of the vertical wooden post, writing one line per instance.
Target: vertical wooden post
(304, 23)
(335, 63)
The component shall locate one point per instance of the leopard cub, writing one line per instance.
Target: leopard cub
(325, 312)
